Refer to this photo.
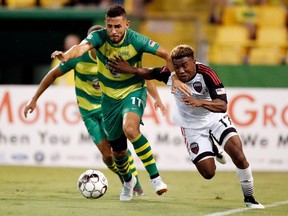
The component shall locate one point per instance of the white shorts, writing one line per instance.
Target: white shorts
(199, 141)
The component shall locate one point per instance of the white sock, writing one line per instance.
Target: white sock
(246, 180)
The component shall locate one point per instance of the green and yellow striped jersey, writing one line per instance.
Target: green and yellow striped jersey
(87, 86)
(131, 49)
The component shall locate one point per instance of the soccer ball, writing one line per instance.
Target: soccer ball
(92, 184)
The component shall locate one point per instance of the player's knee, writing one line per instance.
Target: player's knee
(208, 172)
(208, 175)
(130, 131)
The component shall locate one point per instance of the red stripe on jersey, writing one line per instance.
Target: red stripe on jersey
(185, 139)
(211, 73)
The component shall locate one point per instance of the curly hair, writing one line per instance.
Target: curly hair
(181, 51)
(116, 10)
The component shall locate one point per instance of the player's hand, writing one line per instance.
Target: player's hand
(30, 106)
(190, 101)
(178, 85)
(159, 105)
(59, 55)
(120, 65)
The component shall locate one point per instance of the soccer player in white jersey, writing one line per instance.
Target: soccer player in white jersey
(201, 115)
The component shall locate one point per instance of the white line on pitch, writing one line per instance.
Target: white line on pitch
(234, 211)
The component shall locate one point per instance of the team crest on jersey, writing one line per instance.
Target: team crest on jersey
(194, 147)
(125, 53)
(95, 84)
(197, 86)
(151, 43)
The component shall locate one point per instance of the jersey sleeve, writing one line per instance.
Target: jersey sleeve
(215, 86)
(95, 37)
(143, 43)
(65, 67)
(161, 74)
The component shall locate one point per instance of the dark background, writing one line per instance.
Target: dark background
(27, 40)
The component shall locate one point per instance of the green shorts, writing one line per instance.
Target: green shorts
(95, 126)
(114, 110)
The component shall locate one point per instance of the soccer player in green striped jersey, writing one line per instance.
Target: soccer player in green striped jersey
(124, 95)
(88, 94)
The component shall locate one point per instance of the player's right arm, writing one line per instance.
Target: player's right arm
(161, 74)
(45, 83)
(74, 52)
(120, 65)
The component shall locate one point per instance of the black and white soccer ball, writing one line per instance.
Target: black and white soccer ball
(92, 184)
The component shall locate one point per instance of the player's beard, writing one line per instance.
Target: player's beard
(116, 38)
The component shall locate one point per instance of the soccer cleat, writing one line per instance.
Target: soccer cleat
(127, 189)
(138, 191)
(250, 202)
(220, 157)
(159, 186)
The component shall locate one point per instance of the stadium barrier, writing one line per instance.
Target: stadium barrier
(54, 134)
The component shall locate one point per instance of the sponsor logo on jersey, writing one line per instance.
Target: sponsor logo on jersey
(194, 147)
(197, 86)
(151, 43)
(114, 73)
(220, 91)
(125, 53)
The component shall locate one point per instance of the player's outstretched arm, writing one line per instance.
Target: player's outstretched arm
(45, 83)
(152, 90)
(74, 52)
(120, 65)
(178, 85)
(216, 105)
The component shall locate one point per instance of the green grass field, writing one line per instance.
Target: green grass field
(53, 192)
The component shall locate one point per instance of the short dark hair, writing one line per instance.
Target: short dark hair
(94, 28)
(181, 51)
(115, 11)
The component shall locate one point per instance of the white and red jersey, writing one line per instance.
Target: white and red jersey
(205, 85)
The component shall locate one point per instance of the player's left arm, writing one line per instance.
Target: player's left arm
(219, 99)
(49, 78)
(218, 102)
(215, 105)
(217, 93)
(74, 52)
(152, 90)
